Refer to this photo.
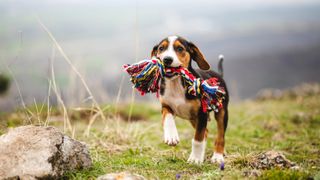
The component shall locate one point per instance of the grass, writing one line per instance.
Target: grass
(290, 125)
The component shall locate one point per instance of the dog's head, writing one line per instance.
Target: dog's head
(175, 51)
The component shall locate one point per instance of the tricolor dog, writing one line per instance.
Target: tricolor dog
(175, 51)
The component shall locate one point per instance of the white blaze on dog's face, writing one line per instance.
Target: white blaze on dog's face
(170, 53)
(175, 51)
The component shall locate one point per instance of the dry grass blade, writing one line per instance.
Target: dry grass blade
(118, 96)
(29, 113)
(96, 105)
(48, 104)
(66, 120)
(131, 104)
(37, 111)
(92, 119)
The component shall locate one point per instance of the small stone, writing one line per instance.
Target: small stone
(121, 176)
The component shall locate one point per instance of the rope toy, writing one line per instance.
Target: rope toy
(146, 76)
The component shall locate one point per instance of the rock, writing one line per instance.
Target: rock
(121, 176)
(35, 152)
(271, 159)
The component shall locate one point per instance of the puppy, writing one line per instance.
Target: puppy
(176, 51)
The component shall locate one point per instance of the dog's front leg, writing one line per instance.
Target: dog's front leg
(171, 136)
(199, 141)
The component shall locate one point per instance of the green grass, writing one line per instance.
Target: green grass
(291, 126)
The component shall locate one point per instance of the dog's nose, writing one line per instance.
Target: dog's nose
(167, 60)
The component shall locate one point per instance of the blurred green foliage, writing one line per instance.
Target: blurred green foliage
(4, 83)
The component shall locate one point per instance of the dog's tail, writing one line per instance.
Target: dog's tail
(220, 68)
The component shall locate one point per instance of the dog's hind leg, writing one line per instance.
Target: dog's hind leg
(171, 136)
(222, 120)
(199, 141)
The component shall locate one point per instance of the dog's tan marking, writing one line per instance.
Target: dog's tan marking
(219, 142)
(182, 53)
(174, 97)
(162, 47)
(195, 105)
(165, 110)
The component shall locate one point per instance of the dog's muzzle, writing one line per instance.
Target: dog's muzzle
(167, 60)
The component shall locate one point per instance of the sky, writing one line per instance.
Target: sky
(100, 36)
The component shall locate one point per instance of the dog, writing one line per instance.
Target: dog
(176, 51)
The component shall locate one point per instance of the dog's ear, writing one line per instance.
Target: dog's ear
(154, 51)
(198, 57)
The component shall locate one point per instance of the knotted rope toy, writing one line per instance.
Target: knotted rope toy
(146, 77)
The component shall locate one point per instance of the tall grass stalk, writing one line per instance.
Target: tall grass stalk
(67, 59)
(28, 112)
(66, 120)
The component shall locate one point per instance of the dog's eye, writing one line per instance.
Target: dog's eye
(161, 48)
(179, 49)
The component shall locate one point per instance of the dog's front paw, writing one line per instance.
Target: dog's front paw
(171, 137)
(217, 158)
(197, 152)
(195, 158)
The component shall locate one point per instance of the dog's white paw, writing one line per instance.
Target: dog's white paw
(197, 152)
(171, 136)
(217, 158)
(195, 159)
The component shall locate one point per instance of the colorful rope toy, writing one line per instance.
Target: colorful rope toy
(146, 77)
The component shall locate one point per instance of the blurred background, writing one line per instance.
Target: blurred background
(266, 44)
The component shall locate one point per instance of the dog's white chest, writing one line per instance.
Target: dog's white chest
(174, 97)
